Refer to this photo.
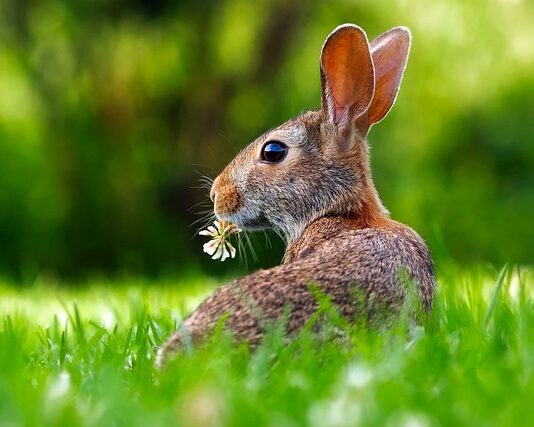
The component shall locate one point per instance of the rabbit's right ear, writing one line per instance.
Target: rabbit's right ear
(390, 53)
(347, 75)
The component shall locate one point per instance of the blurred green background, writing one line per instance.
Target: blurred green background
(111, 110)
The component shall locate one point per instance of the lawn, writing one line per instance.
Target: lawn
(84, 356)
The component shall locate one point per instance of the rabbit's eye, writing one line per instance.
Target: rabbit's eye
(274, 151)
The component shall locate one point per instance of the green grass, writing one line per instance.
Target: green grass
(84, 356)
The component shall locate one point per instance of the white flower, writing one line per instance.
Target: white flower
(211, 231)
(211, 246)
(219, 247)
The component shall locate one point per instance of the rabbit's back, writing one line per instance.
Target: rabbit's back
(380, 260)
(359, 270)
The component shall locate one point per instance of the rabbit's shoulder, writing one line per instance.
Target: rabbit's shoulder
(374, 256)
(339, 237)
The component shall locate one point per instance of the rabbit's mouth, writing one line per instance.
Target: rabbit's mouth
(259, 223)
(247, 222)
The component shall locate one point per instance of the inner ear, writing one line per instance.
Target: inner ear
(347, 74)
(390, 53)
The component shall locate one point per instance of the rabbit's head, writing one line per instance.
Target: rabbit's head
(317, 164)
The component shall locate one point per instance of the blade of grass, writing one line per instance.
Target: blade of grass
(496, 292)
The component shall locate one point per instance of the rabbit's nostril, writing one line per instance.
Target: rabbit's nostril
(212, 195)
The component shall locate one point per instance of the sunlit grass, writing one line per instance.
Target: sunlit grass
(84, 356)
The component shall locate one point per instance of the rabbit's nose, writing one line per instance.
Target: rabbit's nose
(224, 194)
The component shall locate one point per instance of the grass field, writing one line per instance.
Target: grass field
(84, 356)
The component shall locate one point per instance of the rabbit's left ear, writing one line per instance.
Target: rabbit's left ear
(347, 75)
(390, 52)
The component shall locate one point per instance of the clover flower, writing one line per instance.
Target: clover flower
(219, 247)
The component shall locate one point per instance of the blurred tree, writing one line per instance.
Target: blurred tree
(110, 111)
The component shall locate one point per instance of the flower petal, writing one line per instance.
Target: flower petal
(211, 246)
(218, 253)
(231, 249)
(225, 253)
(205, 233)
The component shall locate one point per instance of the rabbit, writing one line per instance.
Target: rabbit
(310, 179)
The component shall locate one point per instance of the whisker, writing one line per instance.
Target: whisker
(267, 239)
(205, 179)
(204, 218)
(251, 248)
(243, 256)
(204, 187)
(279, 234)
(204, 211)
(203, 175)
(207, 219)
(205, 182)
(203, 204)
(203, 208)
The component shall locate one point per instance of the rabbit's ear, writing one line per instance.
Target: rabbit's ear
(390, 54)
(347, 75)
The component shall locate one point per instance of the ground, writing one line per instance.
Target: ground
(84, 356)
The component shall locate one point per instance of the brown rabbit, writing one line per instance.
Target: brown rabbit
(310, 179)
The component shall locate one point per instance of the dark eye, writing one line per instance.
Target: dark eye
(274, 151)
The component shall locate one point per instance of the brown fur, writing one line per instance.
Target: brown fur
(322, 198)
(226, 198)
